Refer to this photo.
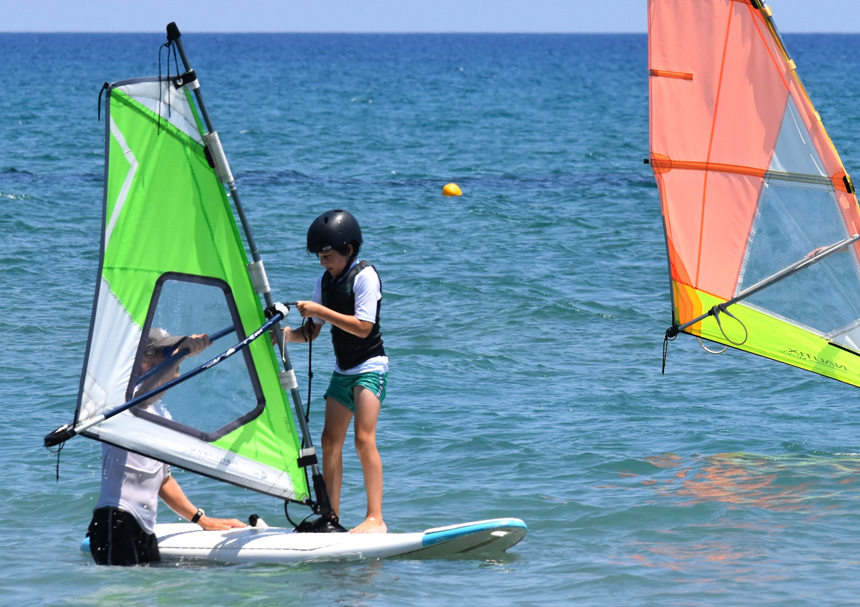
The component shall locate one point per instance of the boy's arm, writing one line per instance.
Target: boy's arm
(350, 324)
(300, 334)
(367, 293)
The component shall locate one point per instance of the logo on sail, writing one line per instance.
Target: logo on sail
(813, 358)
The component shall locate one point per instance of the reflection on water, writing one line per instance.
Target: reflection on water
(779, 483)
(711, 515)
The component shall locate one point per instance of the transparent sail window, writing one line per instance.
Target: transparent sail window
(220, 398)
(792, 222)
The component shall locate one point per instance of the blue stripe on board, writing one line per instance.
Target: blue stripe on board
(432, 538)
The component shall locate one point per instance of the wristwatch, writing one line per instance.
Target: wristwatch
(198, 515)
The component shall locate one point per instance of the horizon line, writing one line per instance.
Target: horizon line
(377, 33)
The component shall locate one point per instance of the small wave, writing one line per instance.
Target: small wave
(14, 171)
(12, 196)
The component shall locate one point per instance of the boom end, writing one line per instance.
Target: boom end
(60, 435)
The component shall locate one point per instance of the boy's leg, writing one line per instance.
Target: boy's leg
(337, 419)
(367, 407)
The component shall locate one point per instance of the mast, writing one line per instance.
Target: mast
(261, 284)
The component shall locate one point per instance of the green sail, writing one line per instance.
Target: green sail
(173, 260)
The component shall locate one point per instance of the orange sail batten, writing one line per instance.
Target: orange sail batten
(662, 164)
(668, 74)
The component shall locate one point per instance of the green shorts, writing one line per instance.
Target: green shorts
(342, 387)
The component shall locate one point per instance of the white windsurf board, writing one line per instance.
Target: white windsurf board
(188, 542)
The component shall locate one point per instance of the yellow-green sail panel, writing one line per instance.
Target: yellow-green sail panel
(763, 334)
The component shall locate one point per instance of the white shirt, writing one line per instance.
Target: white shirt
(131, 481)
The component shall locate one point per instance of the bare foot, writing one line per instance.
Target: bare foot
(371, 525)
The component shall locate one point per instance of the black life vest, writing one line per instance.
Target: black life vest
(338, 294)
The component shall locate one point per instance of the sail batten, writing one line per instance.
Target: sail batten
(671, 74)
(663, 164)
(752, 190)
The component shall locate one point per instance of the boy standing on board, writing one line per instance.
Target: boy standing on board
(348, 296)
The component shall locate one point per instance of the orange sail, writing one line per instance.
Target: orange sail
(760, 216)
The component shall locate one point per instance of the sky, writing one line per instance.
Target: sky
(564, 16)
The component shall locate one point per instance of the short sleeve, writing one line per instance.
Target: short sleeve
(368, 292)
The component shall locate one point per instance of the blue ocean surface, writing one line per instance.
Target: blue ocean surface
(524, 321)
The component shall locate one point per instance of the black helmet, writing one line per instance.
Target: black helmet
(334, 229)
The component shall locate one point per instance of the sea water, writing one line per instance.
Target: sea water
(524, 321)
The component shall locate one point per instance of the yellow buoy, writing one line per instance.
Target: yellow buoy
(452, 189)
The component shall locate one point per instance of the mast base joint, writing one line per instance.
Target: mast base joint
(327, 523)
